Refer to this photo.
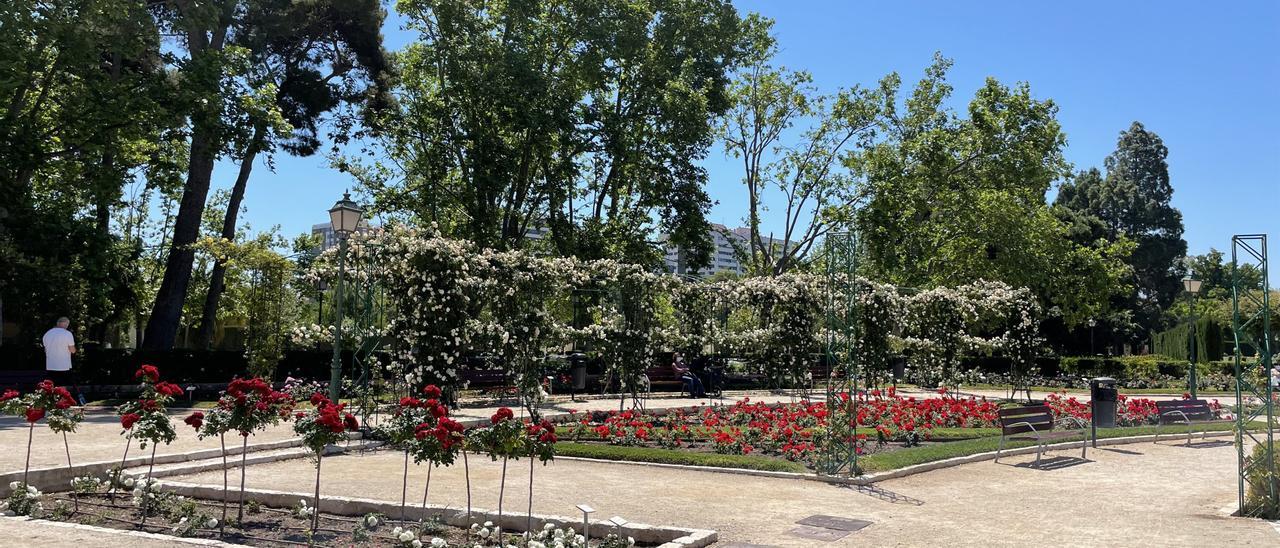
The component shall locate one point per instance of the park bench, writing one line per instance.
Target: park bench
(664, 376)
(1035, 423)
(488, 381)
(1188, 412)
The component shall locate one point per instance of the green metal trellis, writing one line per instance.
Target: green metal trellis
(840, 455)
(1253, 328)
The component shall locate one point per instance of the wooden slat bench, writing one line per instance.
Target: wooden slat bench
(1188, 412)
(1035, 423)
(663, 376)
(487, 380)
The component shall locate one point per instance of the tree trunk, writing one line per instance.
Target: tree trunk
(166, 313)
(217, 284)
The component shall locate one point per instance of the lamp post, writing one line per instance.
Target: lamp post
(1092, 322)
(344, 218)
(1192, 287)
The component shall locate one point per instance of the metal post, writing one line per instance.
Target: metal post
(335, 370)
(1255, 427)
(1191, 298)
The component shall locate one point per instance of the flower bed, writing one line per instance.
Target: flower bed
(265, 526)
(796, 432)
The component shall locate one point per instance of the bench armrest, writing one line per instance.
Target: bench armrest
(1027, 424)
(1185, 419)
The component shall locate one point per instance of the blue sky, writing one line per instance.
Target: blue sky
(1204, 76)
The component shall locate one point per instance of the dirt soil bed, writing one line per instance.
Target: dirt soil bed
(263, 526)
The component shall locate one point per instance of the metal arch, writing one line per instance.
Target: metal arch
(1252, 248)
(839, 454)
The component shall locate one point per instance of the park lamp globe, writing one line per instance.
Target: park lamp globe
(345, 216)
(1192, 285)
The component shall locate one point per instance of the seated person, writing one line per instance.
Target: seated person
(690, 380)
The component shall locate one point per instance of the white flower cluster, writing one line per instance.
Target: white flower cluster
(302, 510)
(87, 484)
(24, 500)
(552, 537)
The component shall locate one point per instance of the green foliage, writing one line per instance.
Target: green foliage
(585, 118)
(1263, 484)
(1176, 342)
(1133, 202)
(952, 199)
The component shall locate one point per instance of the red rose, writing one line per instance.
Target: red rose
(439, 411)
(65, 402)
(350, 422)
(317, 399)
(148, 405)
(432, 391)
(502, 414)
(45, 386)
(169, 389)
(9, 394)
(149, 373)
(196, 420)
(34, 414)
(127, 419)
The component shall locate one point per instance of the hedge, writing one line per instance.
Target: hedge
(1175, 342)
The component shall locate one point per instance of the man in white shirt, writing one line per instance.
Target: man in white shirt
(59, 345)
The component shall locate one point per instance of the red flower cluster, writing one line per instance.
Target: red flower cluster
(128, 419)
(34, 414)
(447, 431)
(9, 394)
(333, 416)
(502, 414)
(196, 420)
(148, 373)
(432, 391)
(169, 389)
(544, 431)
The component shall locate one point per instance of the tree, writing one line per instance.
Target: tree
(953, 200)
(302, 77)
(82, 115)
(819, 192)
(585, 118)
(1133, 201)
(221, 50)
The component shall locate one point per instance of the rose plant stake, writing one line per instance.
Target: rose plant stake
(504, 437)
(251, 405)
(325, 424)
(540, 438)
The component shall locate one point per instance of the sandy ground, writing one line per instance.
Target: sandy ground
(1131, 495)
(99, 439)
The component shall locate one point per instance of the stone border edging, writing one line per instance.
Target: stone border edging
(888, 474)
(125, 532)
(664, 536)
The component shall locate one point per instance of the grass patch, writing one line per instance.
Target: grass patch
(676, 456)
(1085, 391)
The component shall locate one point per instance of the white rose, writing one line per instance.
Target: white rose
(406, 536)
(416, 543)
(438, 543)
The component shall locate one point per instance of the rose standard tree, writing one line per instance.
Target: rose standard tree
(146, 418)
(326, 423)
(438, 440)
(53, 403)
(247, 406)
(412, 417)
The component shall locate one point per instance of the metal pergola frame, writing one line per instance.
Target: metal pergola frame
(840, 455)
(1246, 327)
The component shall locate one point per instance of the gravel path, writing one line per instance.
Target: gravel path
(1107, 501)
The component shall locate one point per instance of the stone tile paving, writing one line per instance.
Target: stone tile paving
(1106, 501)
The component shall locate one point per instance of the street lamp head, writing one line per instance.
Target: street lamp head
(345, 216)
(1192, 285)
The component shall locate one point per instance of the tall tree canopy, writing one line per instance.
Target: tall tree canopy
(224, 56)
(586, 118)
(1133, 201)
(954, 199)
(82, 110)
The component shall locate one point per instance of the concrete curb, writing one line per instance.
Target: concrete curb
(126, 533)
(58, 478)
(891, 474)
(664, 536)
(215, 463)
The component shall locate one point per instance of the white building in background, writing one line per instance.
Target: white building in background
(724, 255)
(325, 230)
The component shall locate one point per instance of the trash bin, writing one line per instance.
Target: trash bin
(578, 370)
(1102, 394)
